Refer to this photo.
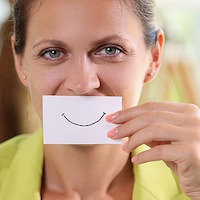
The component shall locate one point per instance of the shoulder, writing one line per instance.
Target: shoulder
(9, 147)
(16, 147)
(154, 180)
(21, 164)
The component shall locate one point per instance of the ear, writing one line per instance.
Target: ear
(156, 57)
(19, 64)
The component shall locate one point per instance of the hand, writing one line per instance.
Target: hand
(172, 130)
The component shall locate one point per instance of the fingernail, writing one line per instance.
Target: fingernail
(112, 117)
(112, 133)
(125, 146)
(134, 159)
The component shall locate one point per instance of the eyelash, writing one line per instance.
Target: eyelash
(118, 50)
(50, 50)
(116, 47)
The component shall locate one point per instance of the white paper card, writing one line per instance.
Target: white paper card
(78, 120)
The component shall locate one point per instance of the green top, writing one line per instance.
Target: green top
(21, 166)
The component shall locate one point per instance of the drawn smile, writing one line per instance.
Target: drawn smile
(84, 125)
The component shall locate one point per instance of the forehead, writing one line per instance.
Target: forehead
(93, 4)
(83, 8)
(91, 17)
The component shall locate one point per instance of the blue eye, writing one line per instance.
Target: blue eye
(52, 54)
(109, 51)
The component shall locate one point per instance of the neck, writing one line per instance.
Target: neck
(85, 170)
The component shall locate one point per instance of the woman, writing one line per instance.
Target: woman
(99, 48)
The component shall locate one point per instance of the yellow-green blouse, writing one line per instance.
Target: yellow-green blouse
(21, 166)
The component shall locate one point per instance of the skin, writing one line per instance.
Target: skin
(172, 131)
(70, 56)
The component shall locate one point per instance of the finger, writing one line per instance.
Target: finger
(158, 134)
(167, 153)
(148, 119)
(128, 114)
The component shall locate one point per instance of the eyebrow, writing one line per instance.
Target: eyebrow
(104, 40)
(110, 38)
(50, 41)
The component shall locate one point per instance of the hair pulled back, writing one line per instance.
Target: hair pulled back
(143, 9)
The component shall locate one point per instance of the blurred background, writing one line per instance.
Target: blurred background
(178, 80)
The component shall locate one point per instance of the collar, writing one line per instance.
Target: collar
(155, 181)
(22, 178)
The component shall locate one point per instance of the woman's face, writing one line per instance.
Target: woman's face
(90, 47)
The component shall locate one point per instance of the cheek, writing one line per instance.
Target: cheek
(131, 90)
(41, 82)
(126, 81)
(44, 80)
(132, 95)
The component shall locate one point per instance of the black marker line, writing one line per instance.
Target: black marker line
(82, 125)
